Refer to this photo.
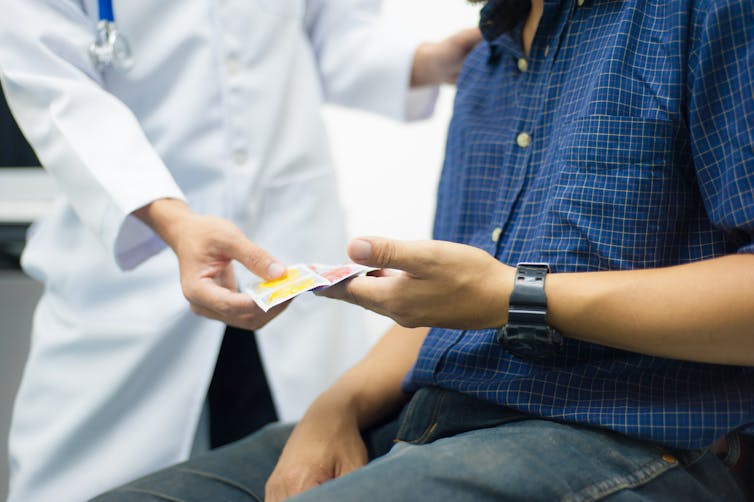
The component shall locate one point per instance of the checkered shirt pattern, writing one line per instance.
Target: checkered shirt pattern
(625, 140)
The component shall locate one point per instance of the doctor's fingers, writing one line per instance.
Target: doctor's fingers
(226, 278)
(248, 321)
(224, 303)
(467, 39)
(255, 259)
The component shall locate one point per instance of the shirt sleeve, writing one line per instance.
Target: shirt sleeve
(721, 115)
(363, 61)
(88, 140)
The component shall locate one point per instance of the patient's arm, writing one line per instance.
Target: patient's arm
(327, 441)
(701, 311)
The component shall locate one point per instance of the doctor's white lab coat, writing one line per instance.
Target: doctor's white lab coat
(221, 109)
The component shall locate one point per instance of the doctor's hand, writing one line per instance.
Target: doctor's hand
(325, 445)
(433, 284)
(440, 62)
(206, 247)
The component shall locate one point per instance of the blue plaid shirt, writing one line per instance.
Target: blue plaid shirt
(624, 141)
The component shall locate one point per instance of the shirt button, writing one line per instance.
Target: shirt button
(496, 234)
(579, 2)
(547, 50)
(522, 64)
(239, 157)
(232, 66)
(523, 140)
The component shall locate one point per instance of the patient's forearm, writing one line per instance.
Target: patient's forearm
(701, 311)
(371, 389)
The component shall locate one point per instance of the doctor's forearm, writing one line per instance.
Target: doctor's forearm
(164, 217)
(702, 311)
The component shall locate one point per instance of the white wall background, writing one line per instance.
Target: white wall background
(389, 171)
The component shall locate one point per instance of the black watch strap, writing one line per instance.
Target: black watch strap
(528, 302)
(527, 334)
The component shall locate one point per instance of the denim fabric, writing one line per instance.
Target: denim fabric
(455, 447)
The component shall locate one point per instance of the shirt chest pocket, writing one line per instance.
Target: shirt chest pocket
(623, 187)
(288, 8)
(606, 142)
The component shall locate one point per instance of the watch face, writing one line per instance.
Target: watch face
(532, 343)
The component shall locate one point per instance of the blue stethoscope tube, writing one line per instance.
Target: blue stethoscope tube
(110, 48)
(106, 11)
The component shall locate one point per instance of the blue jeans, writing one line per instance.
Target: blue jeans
(454, 447)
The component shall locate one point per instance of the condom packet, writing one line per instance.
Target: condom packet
(338, 273)
(299, 279)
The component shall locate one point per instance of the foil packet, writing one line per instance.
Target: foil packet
(299, 279)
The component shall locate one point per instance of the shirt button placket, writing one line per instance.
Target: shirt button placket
(232, 62)
(239, 157)
(232, 66)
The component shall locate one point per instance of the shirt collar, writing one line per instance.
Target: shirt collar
(502, 33)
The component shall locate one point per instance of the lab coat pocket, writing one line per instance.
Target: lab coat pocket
(290, 8)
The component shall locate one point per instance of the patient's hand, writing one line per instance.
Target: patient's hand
(325, 445)
(436, 284)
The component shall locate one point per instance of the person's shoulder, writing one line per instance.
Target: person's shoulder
(721, 23)
(705, 12)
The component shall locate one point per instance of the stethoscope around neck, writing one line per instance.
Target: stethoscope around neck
(110, 48)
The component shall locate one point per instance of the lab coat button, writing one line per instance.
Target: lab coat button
(232, 67)
(523, 140)
(239, 157)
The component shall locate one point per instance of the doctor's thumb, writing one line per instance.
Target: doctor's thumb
(258, 261)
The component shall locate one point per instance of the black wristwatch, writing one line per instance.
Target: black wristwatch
(527, 334)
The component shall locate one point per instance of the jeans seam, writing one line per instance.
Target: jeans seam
(226, 481)
(640, 476)
(149, 492)
(427, 433)
(433, 422)
(406, 419)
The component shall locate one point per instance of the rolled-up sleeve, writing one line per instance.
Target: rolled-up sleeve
(87, 139)
(365, 62)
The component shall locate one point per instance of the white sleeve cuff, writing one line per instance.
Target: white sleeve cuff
(420, 102)
(131, 240)
(368, 65)
(134, 243)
